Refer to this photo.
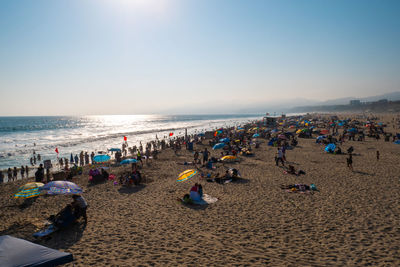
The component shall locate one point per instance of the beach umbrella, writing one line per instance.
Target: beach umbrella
(256, 135)
(128, 161)
(29, 190)
(228, 158)
(330, 148)
(101, 158)
(319, 138)
(274, 131)
(186, 175)
(397, 142)
(324, 131)
(224, 140)
(352, 130)
(201, 134)
(61, 188)
(218, 146)
(282, 136)
(114, 149)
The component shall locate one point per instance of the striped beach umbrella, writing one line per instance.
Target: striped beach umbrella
(61, 188)
(29, 190)
(228, 158)
(186, 175)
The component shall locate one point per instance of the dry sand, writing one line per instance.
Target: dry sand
(353, 220)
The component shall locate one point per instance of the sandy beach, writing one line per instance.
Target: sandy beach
(352, 220)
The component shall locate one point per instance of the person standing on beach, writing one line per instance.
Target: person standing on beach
(27, 171)
(377, 155)
(15, 173)
(38, 157)
(22, 172)
(9, 174)
(39, 174)
(1, 177)
(92, 156)
(206, 153)
(350, 162)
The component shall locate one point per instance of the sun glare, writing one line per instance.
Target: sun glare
(150, 6)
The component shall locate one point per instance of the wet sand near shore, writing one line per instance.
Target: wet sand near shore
(352, 220)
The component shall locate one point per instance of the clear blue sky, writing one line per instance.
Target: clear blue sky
(185, 56)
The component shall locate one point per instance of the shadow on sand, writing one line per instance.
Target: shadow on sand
(131, 189)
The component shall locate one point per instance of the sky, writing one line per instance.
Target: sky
(85, 57)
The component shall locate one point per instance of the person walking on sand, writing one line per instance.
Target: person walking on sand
(377, 155)
(350, 162)
(279, 157)
(27, 171)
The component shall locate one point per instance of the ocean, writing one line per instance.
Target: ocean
(20, 137)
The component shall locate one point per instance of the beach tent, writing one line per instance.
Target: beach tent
(19, 252)
(397, 142)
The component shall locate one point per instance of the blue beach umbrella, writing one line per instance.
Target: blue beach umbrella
(101, 158)
(201, 134)
(330, 148)
(397, 142)
(224, 140)
(218, 146)
(61, 188)
(128, 161)
(114, 149)
(352, 130)
(256, 135)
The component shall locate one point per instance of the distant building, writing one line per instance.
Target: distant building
(355, 102)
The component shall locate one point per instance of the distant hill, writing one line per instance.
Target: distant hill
(368, 104)
(394, 96)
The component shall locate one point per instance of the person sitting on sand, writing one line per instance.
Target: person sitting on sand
(80, 206)
(136, 177)
(104, 174)
(194, 193)
(64, 217)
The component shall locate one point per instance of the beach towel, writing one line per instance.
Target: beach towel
(207, 199)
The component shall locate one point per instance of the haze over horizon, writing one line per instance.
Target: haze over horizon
(99, 57)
